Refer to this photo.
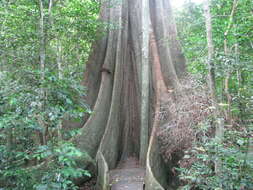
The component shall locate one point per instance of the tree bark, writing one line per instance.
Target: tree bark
(42, 41)
(211, 73)
(228, 73)
(120, 80)
(145, 82)
(42, 56)
(219, 128)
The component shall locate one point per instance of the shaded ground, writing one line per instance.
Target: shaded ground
(90, 185)
(127, 176)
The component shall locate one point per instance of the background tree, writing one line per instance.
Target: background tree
(43, 47)
(230, 21)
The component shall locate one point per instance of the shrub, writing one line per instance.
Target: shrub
(236, 170)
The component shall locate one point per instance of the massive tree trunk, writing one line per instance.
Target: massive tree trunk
(124, 76)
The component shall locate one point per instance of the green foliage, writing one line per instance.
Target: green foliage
(62, 169)
(236, 169)
(34, 148)
(191, 27)
(57, 166)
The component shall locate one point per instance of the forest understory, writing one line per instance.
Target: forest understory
(126, 94)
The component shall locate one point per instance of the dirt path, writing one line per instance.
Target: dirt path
(127, 176)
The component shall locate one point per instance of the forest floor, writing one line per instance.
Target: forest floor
(90, 185)
(129, 175)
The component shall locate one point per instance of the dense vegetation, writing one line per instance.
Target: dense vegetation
(44, 45)
(36, 96)
(233, 65)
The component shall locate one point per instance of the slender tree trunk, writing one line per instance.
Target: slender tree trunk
(59, 59)
(43, 32)
(210, 65)
(42, 42)
(228, 73)
(240, 83)
(219, 132)
(60, 76)
(50, 5)
(42, 55)
(3, 52)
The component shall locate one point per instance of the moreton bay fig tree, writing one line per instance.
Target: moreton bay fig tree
(129, 71)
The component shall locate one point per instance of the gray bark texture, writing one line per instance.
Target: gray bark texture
(219, 122)
(209, 37)
(125, 77)
(144, 82)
